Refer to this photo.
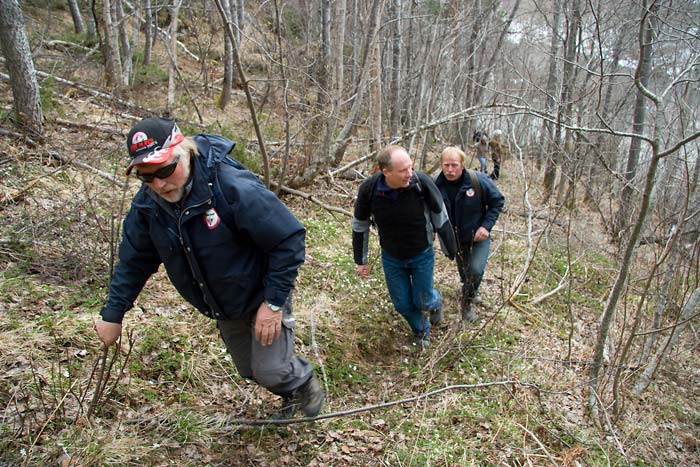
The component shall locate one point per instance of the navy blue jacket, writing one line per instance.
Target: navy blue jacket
(470, 210)
(223, 270)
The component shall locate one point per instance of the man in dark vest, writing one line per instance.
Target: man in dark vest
(408, 210)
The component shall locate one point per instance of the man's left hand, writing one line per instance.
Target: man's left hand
(268, 324)
(481, 235)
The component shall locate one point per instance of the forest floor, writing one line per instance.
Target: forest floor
(509, 390)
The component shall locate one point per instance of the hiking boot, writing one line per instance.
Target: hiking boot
(421, 340)
(436, 316)
(477, 300)
(290, 405)
(311, 396)
(468, 315)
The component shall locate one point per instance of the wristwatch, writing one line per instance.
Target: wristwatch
(274, 308)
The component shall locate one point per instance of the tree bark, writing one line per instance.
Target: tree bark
(172, 45)
(643, 75)
(688, 309)
(20, 66)
(109, 44)
(396, 59)
(548, 145)
(227, 84)
(77, 16)
(631, 246)
(148, 32)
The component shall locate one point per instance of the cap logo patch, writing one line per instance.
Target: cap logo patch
(211, 219)
(470, 192)
(140, 140)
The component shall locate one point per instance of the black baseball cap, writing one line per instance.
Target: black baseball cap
(152, 140)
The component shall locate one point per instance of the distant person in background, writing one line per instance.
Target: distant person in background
(483, 150)
(499, 151)
(473, 203)
(407, 209)
(229, 246)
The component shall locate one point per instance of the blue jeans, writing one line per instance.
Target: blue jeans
(482, 162)
(471, 262)
(410, 284)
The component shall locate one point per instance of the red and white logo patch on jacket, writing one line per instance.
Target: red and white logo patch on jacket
(211, 219)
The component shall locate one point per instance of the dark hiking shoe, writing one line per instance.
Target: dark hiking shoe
(468, 315)
(422, 340)
(290, 405)
(311, 396)
(436, 316)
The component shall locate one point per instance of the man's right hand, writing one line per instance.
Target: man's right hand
(108, 332)
(363, 270)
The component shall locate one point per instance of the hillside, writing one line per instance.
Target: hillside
(510, 390)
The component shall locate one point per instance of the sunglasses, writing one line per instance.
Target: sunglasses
(162, 173)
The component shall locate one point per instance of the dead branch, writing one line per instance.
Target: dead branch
(19, 195)
(3, 132)
(88, 126)
(88, 167)
(539, 443)
(313, 199)
(554, 291)
(383, 405)
(92, 92)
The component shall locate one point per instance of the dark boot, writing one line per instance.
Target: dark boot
(468, 315)
(436, 316)
(311, 397)
(421, 340)
(290, 405)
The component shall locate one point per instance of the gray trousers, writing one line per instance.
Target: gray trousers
(274, 367)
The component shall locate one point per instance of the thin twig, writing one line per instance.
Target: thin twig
(539, 443)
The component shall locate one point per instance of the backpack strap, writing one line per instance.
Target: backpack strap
(477, 186)
(220, 202)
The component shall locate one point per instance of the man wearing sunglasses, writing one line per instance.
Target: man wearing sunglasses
(230, 247)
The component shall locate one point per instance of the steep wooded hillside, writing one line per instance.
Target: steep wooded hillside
(510, 390)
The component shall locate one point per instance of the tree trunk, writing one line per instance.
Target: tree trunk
(20, 67)
(148, 32)
(125, 44)
(227, 84)
(547, 146)
(341, 19)
(495, 52)
(643, 74)
(77, 16)
(395, 80)
(663, 350)
(631, 246)
(661, 305)
(172, 75)
(325, 63)
(109, 44)
(375, 102)
(342, 139)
